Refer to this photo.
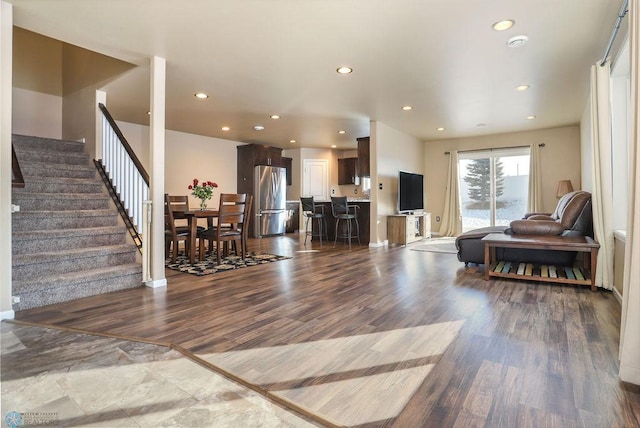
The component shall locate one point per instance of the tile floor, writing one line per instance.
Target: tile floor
(70, 379)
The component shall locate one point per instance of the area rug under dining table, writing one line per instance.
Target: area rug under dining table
(210, 264)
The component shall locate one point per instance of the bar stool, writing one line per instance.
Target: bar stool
(314, 212)
(341, 210)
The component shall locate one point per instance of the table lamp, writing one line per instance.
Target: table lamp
(564, 187)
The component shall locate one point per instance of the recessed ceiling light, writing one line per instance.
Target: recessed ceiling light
(517, 41)
(342, 132)
(201, 95)
(503, 25)
(481, 125)
(522, 87)
(333, 146)
(292, 141)
(344, 70)
(440, 129)
(531, 117)
(258, 128)
(275, 116)
(407, 108)
(225, 128)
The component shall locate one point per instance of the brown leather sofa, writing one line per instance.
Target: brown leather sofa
(572, 217)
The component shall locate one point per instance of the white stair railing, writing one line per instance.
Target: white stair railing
(126, 177)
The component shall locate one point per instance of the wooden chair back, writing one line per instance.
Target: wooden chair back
(231, 219)
(171, 234)
(178, 205)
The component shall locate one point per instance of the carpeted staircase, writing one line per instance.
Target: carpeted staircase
(67, 240)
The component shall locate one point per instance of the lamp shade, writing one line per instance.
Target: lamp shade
(564, 187)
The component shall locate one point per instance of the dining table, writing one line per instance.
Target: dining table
(192, 217)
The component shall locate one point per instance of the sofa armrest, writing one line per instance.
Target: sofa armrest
(540, 217)
(538, 227)
(528, 215)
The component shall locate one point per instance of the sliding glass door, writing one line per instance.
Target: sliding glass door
(494, 186)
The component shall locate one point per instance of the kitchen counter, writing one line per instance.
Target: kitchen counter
(363, 219)
(349, 199)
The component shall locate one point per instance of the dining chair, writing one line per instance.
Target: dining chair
(341, 210)
(179, 204)
(313, 212)
(244, 227)
(172, 234)
(230, 227)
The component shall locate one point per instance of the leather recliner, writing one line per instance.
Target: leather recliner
(572, 217)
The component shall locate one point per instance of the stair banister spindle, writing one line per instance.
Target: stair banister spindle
(124, 175)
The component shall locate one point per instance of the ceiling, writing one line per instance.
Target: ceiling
(255, 58)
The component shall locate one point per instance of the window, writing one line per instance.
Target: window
(494, 186)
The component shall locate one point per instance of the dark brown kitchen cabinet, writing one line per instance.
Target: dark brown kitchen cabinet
(266, 155)
(287, 164)
(250, 155)
(363, 157)
(347, 170)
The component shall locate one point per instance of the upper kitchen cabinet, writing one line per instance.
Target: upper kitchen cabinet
(250, 155)
(266, 155)
(363, 157)
(348, 171)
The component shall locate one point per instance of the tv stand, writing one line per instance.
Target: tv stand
(407, 228)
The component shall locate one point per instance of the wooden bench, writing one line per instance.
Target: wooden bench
(584, 275)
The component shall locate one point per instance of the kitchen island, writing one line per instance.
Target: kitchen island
(363, 220)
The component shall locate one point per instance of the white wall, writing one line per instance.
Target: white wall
(391, 151)
(36, 113)
(189, 156)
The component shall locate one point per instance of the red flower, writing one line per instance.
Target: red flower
(195, 181)
(190, 187)
(214, 184)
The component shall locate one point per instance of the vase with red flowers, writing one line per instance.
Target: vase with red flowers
(203, 191)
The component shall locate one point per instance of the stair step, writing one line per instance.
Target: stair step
(23, 221)
(43, 169)
(38, 241)
(67, 239)
(46, 144)
(60, 201)
(25, 157)
(58, 288)
(61, 185)
(33, 265)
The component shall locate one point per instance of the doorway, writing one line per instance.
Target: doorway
(315, 181)
(494, 186)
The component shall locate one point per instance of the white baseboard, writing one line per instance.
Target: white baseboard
(7, 315)
(384, 243)
(629, 374)
(156, 283)
(617, 295)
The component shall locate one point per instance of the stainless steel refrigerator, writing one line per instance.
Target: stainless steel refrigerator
(270, 197)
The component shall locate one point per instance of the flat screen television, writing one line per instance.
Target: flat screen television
(410, 192)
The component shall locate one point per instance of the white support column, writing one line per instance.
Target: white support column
(156, 134)
(101, 97)
(6, 55)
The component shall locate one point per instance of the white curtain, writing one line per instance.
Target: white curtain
(534, 202)
(630, 328)
(602, 198)
(451, 218)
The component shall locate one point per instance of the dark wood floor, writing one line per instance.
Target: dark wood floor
(527, 354)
